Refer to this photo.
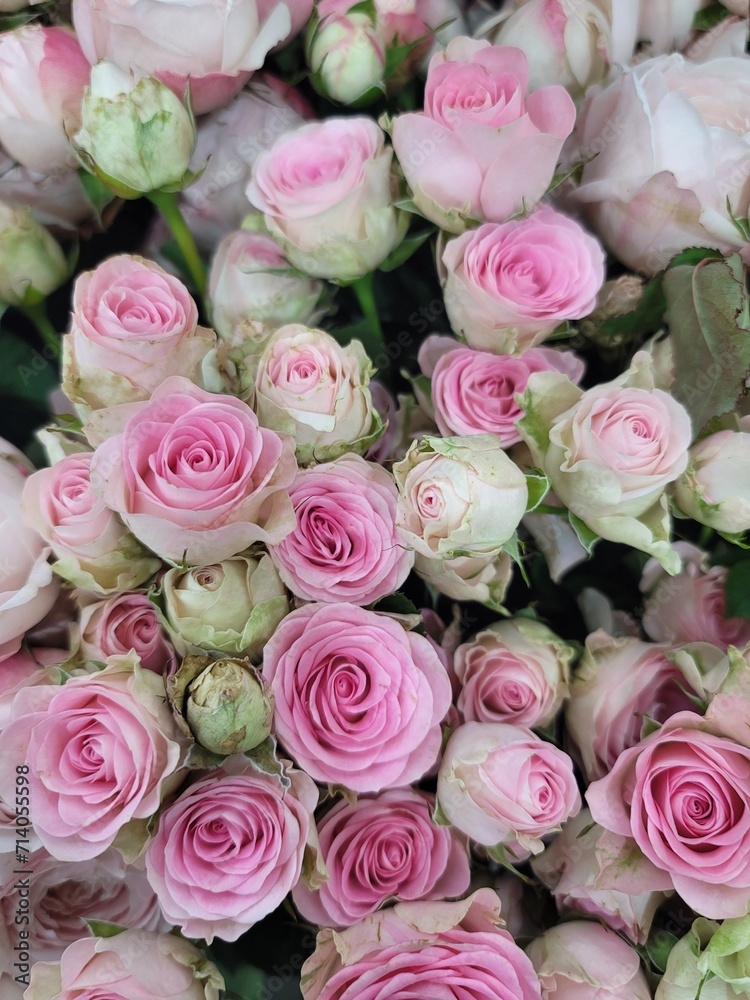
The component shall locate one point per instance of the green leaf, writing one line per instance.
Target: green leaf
(96, 191)
(396, 604)
(737, 590)
(105, 929)
(586, 536)
(26, 373)
(647, 317)
(499, 855)
(708, 314)
(658, 947)
(245, 982)
(538, 487)
(405, 250)
(710, 16)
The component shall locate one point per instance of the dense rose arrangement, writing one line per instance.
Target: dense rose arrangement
(374, 613)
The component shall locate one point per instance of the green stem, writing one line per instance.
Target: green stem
(373, 340)
(37, 314)
(169, 207)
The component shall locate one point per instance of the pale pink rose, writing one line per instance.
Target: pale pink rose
(582, 960)
(501, 784)
(359, 700)
(515, 672)
(381, 849)
(620, 683)
(465, 578)
(347, 53)
(640, 191)
(24, 669)
(213, 45)
(690, 607)
(483, 148)
(28, 588)
(573, 868)
(726, 39)
(64, 895)
(70, 736)
(135, 964)
(251, 279)
(345, 546)
(459, 496)
(228, 142)
(715, 487)
(327, 190)
(229, 849)
(308, 386)
(115, 626)
(93, 548)
(55, 199)
(461, 949)
(508, 285)
(683, 795)
(193, 474)
(43, 73)
(474, 392)
(133, 325)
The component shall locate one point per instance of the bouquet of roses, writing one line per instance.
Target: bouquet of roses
(376, 622)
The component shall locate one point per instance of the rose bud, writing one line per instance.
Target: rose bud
(136, 135)
(715, 487)
(347, 57)
(230, 607)
(687, 972)
(32, 263)
(251, 279)
(226, 705)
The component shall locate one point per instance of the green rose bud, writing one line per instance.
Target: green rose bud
(137, 136)
(32, 263)
(224, 704)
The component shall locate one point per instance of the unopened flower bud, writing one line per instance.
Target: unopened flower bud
(347, 58)
(32, 263)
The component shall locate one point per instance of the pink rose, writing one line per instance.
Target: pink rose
(378, 849)
(252, 280)
(71, 736)
(509, 285)
(134, 963)
(515, 672)
(28, 589)
(345, 546)
(43, 73)
(585, 961)
(474, 392)
(643, 197)
(327, 192)
(620, 683)
(64, 895)
(229, 849)
(574, 869)
(483, 148)
(133, 325)
(683, 795)
(24, 669)
(690, 607)
(193, 475)
(308, 386)
(459, 949)
(213, 45)
(228, 141)
(359, 700)
(93, 548)
(119, 624)
(501, 784)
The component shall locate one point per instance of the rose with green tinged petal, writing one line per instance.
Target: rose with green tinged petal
(685, 976)
(610, 452)
(459, 496)
(32, 263)
(136, 135)
(727, 955)
(715, 488)
(230, 607)
(225, 705)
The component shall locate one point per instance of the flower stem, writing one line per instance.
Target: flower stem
(37, 314)
(372, 332)
(166, 202)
